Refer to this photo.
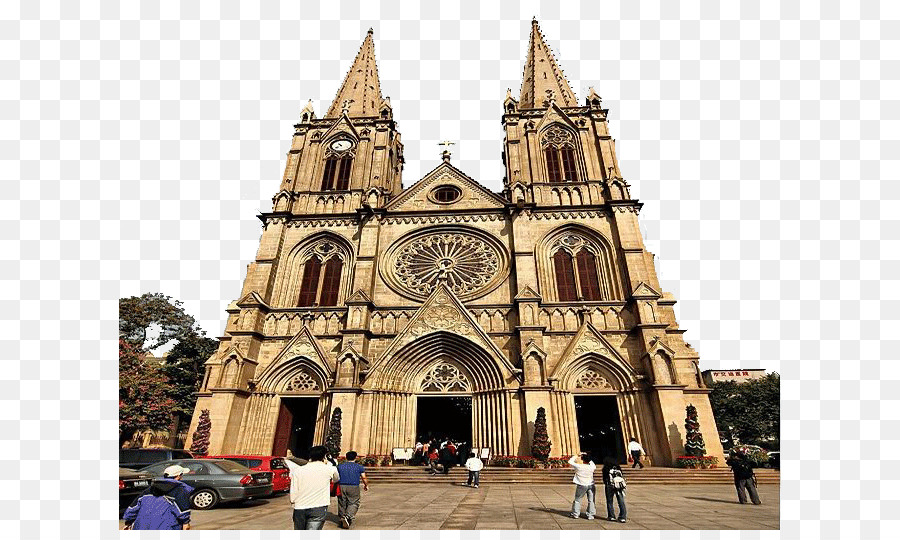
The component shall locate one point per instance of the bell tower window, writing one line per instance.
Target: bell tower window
(559, 154)
(338, 163)
(321, 281)
(577, 265)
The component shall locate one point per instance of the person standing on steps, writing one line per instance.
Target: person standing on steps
(352, 474)
(311, 489)
(614, 486)
(474, 466)
(584, 484)
(635, 449)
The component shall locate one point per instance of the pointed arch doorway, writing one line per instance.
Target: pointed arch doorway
(444, 406)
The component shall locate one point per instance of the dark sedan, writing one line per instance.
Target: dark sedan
(131, 483)
(217, 480)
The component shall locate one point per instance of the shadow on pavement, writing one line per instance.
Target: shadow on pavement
(713, 500)
(564, 513)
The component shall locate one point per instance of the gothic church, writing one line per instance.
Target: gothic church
(444, 309)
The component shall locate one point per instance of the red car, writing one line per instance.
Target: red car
(281, 478)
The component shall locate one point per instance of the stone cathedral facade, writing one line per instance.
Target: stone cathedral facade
(444, 309)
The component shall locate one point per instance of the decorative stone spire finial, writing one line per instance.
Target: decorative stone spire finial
(361, 87)
(542, 74)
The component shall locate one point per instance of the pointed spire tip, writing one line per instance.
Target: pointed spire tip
(371, 31)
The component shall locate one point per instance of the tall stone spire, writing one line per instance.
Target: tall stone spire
(360, 93)
(543, 80)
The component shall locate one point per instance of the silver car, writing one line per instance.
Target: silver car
(217, 480)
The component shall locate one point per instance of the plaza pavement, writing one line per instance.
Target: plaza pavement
(515, 506)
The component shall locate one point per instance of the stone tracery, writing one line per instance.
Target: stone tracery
(591, 379)
(445, 377)
(301, 382)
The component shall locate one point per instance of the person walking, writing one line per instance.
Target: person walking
(744, 478)
(351, 474)
(584, 484)
(310, 489)
(162, 506)
(635, 448)
(614, 486)
(447, 458)
(474, 466)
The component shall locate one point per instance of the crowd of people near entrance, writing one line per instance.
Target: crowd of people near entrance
(165, 504)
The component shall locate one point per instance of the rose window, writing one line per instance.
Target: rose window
(445, 378)
(468, 263)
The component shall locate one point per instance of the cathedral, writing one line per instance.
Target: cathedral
(446, 310)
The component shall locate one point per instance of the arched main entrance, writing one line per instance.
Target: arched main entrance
(444, 404)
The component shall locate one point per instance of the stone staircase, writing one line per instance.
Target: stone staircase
(507, 475)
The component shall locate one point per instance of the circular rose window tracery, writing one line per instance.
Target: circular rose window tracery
(468, 261)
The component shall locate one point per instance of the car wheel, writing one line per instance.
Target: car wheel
(204, 499)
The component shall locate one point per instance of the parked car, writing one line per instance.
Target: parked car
(136, 458)
(217, 480)
(775, 460)
(281, 477)
(131, 483)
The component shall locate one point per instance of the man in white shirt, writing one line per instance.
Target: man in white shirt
(474, 466)
(311, 489)
(635, 449)
(584, 484)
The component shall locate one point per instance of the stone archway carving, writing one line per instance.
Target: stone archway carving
(445, 377)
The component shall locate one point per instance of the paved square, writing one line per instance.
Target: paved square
(516, 506)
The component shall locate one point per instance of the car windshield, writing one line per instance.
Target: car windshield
(253, 463)
(231, 467)
(156, 469)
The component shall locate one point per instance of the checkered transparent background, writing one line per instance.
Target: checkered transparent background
(139, 139)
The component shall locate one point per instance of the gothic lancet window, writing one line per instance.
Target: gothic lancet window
(577, 270)
(321, 286)
(559, 153)
(565, 277)
(337, 173)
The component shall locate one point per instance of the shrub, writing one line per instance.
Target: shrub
(696, 462)
(752, 453)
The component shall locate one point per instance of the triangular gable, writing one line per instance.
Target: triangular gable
(219, 358)
(443, 311)
(302, 344)
(645, 291)
(527, 293)
(351, 350)
(532, 348)
(343, 125)
(474, 195)
(554, 114)
(656, 344)
(589, 340)
(251, 299)
(359, 297)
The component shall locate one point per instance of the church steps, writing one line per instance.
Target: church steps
(648, 475)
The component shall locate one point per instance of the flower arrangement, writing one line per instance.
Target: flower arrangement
(386, 461)
(696, 462)
(529, 462)
(752, 453)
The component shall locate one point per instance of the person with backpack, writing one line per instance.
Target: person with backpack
(744, 478)
(584, 484)
(162, 506)
(614, 486)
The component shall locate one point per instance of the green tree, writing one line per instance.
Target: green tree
(144, 402)
(183, 369)
(540, 444)
(137, 314)
(749, 412)
(694, 445)
(333, 440)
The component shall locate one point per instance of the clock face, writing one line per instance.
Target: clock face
(340, 146)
